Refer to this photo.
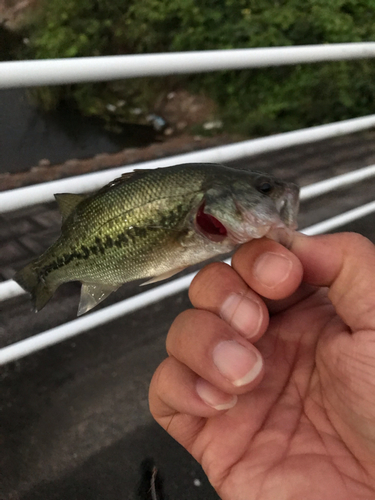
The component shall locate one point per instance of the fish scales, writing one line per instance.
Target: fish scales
(139, 216)
(151, 224)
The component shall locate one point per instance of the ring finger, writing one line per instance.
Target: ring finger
(214, 351)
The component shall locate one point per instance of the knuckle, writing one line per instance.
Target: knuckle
(357, 240)
(350, 244)
(161, 378)
(242, 258)
(184, 322)
(154, 394)
(205, 279)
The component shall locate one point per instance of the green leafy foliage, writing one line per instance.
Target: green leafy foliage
(11, 44)
(254, 102)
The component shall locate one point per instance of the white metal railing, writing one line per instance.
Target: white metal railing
(41, 193)
(340, 181)
(94, 69)
(28, 73)
(341, 220)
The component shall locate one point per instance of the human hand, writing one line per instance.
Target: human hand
(279, 407)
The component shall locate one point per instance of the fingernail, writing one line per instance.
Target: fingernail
(271, 269)
(237, 363)
(243, 314)
(214, 397)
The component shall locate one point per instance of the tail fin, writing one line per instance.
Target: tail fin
(28, 278)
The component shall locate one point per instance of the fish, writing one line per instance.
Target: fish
(151, 224)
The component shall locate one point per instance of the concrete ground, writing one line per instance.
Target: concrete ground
(74, 418)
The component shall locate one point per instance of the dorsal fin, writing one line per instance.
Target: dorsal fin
(67, 203)
(139, 172)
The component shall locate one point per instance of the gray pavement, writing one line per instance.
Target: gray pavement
(74, 419)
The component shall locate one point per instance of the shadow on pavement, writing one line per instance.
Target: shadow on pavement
(122, 472)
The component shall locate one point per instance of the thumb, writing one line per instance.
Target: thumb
(344, 262)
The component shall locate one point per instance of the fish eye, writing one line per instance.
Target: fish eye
(264, 186)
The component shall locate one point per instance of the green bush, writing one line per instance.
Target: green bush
(255, 102)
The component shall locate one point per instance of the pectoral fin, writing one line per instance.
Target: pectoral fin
(163, 276)
(92, 294)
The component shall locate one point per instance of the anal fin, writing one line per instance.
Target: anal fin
(163, 276)
(92, 294)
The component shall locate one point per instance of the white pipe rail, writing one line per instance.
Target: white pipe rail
(42, 193)
(341, 220)
(58, 334)
(340, 181)
(104, 68)
(55, 335)
(10, 289)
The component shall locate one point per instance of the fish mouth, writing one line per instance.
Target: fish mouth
(281, 234)
(276, 231)
(278, 225)
(288, 207)
(271, 225)
(209, 226)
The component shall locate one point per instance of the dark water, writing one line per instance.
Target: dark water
(28, 135)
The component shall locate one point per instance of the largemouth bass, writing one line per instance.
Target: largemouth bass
(154, 223)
